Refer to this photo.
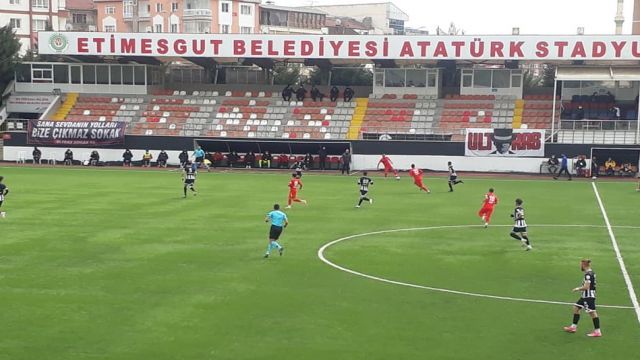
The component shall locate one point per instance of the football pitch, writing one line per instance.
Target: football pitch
(115, 264)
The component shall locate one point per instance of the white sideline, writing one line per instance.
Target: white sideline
(449, 291)
(616, 249)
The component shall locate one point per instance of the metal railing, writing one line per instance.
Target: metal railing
(197, 12)
(598, 125)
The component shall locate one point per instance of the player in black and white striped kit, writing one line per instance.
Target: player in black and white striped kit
(4, 190)
(189, 178)
(364, 183)
(519, 231)
(587, 301)
(453, 177)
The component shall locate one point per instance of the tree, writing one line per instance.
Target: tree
(9, 48)
(286, 75)
(360, 76)
(529, 80)
(548, 75)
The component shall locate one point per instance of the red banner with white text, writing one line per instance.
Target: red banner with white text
(513, 47)
(504, 143)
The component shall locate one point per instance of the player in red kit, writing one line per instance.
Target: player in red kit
(388, 166)
(294, 185)
(490, 200)
(416, 174)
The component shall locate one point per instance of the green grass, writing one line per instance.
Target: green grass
(101, 264)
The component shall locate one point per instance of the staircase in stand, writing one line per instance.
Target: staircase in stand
(358, 117)
(66, 107)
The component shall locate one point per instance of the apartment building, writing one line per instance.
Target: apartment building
(27, 17)
(178, 16)
(81, 15)
(276, 19)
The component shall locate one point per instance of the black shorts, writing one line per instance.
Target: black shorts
(588, 304)
(189, 182)
(275, 232)
(517, 229)
(364, 192)
(1, 203)
(453, 178)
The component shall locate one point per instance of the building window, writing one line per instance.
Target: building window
(245, 9)
(174, 28)
(14, 2)
(110, 10)
(174, 7)
(158, 28)
(158, 7)
(15, 23)
(224, 29)
(109, 28)
(39, 25)
(224, 7)
(42, 4)
(246, 30)
(79, 18)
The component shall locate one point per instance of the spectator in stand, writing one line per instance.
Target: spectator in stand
(265, 161)
(37, 155)
(126, 158)
(146, 159)
(610, 97)
(183, 157)
(249, 159)
(595, 168)
(301, 93)
(626, 170)
(564, 167)
(578, 113)
(552, 164)
(217, 159)
(345, 161)
(163, 157)
(322, 154)
(308, 161)
(610, 167)
(233, 159)
(316, 95)
(283, 161)
(594, 97)
(199, 154)
(94, 158)
(68, 157)
(581, 167)
(615, 112)
(334, 93)
(287, 92)
(348, 94)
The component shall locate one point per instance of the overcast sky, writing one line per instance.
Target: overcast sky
(499, 16)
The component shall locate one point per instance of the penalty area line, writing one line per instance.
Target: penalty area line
(616, 249)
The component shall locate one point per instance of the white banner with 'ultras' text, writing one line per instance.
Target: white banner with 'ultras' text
(504, 143)
(513, 47)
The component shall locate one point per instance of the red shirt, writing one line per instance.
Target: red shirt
(385, 161)
(490, 199)
(416, 174)
(294, 184)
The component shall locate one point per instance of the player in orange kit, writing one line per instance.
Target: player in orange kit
(388, 166)
(490, 200)
(294, 185)
(416, 174)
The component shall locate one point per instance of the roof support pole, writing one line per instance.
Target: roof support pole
(638, 120)
(553, 111)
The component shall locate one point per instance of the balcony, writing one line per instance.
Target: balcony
(197, 13)
(129, 16)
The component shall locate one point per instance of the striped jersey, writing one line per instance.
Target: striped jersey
(364, 183)
(518, 215)
(452, 172)
(589, 276)
(190, 173)
(3, 191)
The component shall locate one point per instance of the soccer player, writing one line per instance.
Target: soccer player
(453, 177)
(364, 183)
(388, 166)
(279, 221)
(294, 185)
(416, 174)
(490, 200)
(519, 231)
(587, 300)
(4, 190)
(189, 178)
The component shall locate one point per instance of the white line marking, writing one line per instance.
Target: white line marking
(616, 248)
(449, 291)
